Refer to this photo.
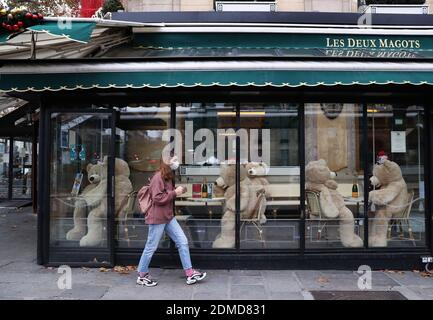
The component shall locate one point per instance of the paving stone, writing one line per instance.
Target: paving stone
(422, 293)
(409, 278)
(281, 282)
(286, 296)
(248, 292)
(83, 292)
(245, 273)
(253, 280)
(160, 292)
(326, 280)
(207, 295)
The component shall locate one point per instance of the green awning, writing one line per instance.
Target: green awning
(76, 31)
(73, 30)
(34, 77)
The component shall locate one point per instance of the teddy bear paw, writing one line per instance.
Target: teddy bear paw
(356, 242)
(75, 234)
(87, 241)
(224, 242)
(377, 242)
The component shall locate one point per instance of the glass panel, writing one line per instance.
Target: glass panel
(396, 171)
(270, 187)
(139, 142)
(22, 166)
(4, 168)
(333, 175)
(78, 183)
(207, 211)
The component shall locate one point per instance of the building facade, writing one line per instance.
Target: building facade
(259, 113)
(280, 5)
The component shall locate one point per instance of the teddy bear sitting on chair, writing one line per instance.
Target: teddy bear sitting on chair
(94, 199)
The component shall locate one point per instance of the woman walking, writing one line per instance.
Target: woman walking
(160, 219)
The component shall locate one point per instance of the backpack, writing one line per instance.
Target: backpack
(144, 199)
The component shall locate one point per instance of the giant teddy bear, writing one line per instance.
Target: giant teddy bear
(94, 199)
(389, 201)
(252, 202)
(319, 179)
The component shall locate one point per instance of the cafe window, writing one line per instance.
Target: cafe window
(78, 179)
(271, 189)
(396, 171)
(206, 211)
(333, 175)
(139, 142)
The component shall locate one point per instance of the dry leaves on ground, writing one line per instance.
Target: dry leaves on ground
(102, 269)
(322, 279)
(394, 271)
(424, 274)
(124, 270)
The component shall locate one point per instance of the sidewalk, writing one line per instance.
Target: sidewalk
(22, 278)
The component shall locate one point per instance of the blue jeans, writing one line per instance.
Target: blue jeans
(176, 234)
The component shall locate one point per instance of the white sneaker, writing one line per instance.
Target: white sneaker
(196, 276)
(146, 281)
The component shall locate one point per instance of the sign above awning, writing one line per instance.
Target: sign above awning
(44, 77)
(333, 42)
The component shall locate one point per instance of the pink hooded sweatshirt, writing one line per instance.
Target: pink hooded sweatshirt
(163, 194)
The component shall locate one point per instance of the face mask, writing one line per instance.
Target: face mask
(174, 165)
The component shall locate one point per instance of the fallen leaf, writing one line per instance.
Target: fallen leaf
(425, 274)
(102, 269)
(121, 270)
(84, 268)
(322, 279)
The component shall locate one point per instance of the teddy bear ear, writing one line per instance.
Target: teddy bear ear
(322, 162)
(387, 163)
(89, 167)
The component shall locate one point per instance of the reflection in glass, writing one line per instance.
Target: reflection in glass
(22, 166)
(4, 168)
(333, 175)
(396, 168)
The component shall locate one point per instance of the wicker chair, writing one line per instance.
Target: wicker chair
(259, 211)
(404, 220)
(314, 212)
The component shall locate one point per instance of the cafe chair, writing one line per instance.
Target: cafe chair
(259, 212)
(403, 221)
(127, 208)
(314, 212)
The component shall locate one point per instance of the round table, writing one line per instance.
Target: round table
(206, 201)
